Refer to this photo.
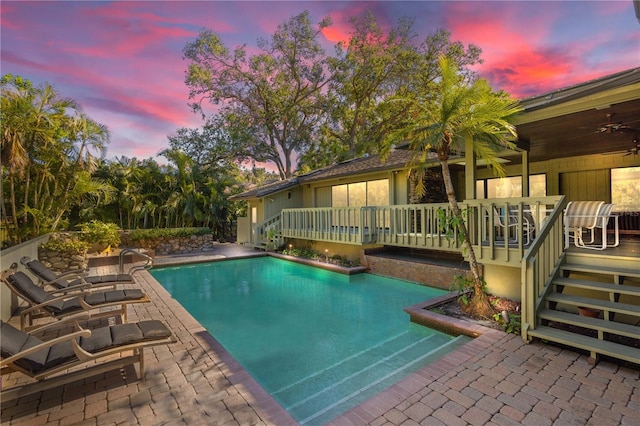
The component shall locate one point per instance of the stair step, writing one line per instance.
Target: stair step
(326, 404)
(603, 347)
(619, 328)
(624, 272)
(316, 398)
(343, 368)
(594, 285)
(587, 302)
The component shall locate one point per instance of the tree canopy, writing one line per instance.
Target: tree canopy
(270, 102)
(292, 102)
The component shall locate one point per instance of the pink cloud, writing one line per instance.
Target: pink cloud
(123, 60)
(524, 59)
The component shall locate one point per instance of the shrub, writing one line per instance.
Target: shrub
(71, 245)
(314, 255)
(512, 325)
(149, 234)
(97, 232)
(464, 286)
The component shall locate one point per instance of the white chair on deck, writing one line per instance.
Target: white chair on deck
(604, 214)
(581, 218)
(509, 225)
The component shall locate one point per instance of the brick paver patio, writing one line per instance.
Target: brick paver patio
(493, 380)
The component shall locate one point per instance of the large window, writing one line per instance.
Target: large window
(511, 187)
(370, 193)
(625, 188)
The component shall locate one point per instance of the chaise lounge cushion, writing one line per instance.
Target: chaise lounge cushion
(42, 271)
(14, 341)
(46, 274)
(37, 295)
(101, 279)
(110, 296)
(123, 334)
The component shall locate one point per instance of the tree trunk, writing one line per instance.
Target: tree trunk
(479, 304)
(14, 215)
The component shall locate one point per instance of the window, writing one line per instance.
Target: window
(511, 187)
(358, 194)
(504, 187)
(537, 185)
(625, 189)
(339, 197)
(369, 193)
(378, 192)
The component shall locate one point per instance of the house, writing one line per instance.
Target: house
(576, 143)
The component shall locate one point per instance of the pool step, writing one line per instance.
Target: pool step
(360, 376)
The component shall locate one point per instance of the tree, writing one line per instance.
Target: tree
(374, 67)
(443, 114)
(368, 71)
(37, 139)
(210, 146)
(84, 139)
(270, 102)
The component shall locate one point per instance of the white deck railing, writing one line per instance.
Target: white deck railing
(499, 229)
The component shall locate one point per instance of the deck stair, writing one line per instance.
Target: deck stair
(581, 285)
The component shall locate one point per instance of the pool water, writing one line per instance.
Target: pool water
(319, 342)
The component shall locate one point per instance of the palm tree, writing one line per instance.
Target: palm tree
(440, 117)
(33, 119)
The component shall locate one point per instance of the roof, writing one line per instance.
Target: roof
(266, 189)
(570, 121)
(397, 159)
(612, 81)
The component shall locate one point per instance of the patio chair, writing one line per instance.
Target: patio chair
(603, 216)
(62, 303)
(72, 278)
(509, 225)
(96, 351)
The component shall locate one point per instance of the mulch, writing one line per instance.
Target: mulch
(454, 309)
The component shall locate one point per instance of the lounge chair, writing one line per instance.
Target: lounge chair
(72, 278)
(62, 303)
(24, 353)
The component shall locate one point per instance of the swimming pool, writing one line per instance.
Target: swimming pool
(319, 342)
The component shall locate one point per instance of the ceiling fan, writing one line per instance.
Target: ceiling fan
(612, 126)
(634, 149)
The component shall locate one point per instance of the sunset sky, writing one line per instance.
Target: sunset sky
(122, 61)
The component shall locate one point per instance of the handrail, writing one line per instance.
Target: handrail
(540, 264)
(136, 268)
(261, 229)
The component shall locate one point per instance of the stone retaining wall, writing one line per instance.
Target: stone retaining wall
(173, 245)
(62, 262)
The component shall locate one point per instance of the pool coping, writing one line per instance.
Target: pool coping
(322, 265)
(422, 313)
(177, 261)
